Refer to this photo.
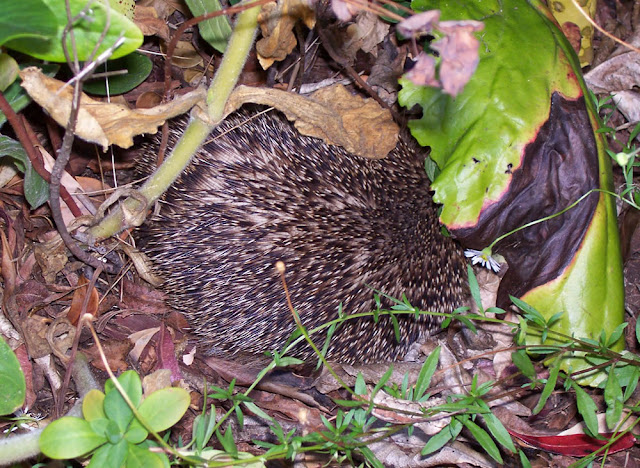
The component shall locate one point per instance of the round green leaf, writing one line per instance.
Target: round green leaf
(163, 408)
(92, 405)
(136, 433)
(12, 383)
(138, 67)
(115, 407)
(69, 438)
(110, 455)
(87, 31)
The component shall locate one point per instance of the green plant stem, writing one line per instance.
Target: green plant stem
(196, 132)
(232, 63)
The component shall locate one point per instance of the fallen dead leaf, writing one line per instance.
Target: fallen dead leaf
(146, 18)
(27, 371)
(79, 295)
(276, 23)
(51, 257)
(185, 55)
(157, 380)
(359, 125)
(628, 103)
(101, 122)
(365, 34)
(116, 352)
(618, 73)
(140, 340)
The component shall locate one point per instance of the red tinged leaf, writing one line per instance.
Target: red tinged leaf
(576, 445)
(167, 355)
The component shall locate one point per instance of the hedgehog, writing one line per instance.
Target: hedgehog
(257, 193)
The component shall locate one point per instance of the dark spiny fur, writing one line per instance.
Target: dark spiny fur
(264, 193)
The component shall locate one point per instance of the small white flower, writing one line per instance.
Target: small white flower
(484, 258)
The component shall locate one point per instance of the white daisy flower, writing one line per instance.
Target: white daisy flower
(484, 258)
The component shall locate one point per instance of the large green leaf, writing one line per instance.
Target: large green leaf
(87, 30)
(68, 438)
(478, 138)
(518, 144)
(12, 383)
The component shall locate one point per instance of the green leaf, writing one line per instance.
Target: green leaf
(522, 362)
(12, 382)
(496, 115)
(474, 288)
(164, 407)
(504, 122)
(360, 387)
(115, 407)
(28, 18)
(228, 444)
(138, 456)
(548, 389)
(436, 442)
(137, 67)
(632, 383)
(36, 190)
(484, 440)
(426, 372)
(112, 455)
(87, 31)
(498, 431)
(136, 433)
(587, 409)
(616, 334)
(613, 399)
(68, 438)
(92, 405)
(216, 31)
(8, 71)
(107, 428)
(524, 461)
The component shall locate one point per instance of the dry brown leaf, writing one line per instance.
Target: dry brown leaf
(619, 73)
(8, 267)
(157, 380)
(185, 55)
(146, 18)
(359, 125)
(51, 257)
(148, 100)
(34, 332)
(276, 23)
(165, 8)
(116, 352)
(78, 301)
(628, 103)
(140, 340)
(365, 34)
(72, 186)
(101, 122)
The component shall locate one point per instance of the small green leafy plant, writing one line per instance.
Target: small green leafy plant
(116, 426)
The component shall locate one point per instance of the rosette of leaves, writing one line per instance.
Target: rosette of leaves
(519, 144)
(110, 431)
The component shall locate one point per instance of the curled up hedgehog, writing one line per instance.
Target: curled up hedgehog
(259, 192)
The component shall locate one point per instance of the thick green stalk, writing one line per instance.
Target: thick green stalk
(194, 135)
